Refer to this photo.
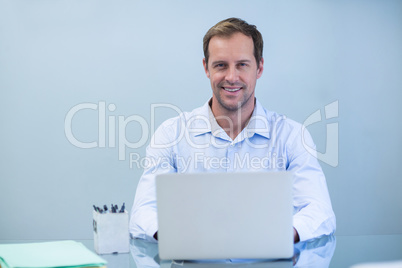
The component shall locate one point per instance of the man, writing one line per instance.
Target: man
(232, 132)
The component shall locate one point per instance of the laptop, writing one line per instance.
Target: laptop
(225, 215)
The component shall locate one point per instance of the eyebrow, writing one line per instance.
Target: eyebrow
(222, 61)
(218, 62)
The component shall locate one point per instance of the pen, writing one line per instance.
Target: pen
(122, 208)
(112, 209)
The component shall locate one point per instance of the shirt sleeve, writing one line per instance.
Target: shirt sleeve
(313, 214)
(143, 219)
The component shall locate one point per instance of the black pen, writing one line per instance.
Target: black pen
(123, 207)
(112, 210)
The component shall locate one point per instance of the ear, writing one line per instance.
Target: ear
(205, 67)
(260, 68)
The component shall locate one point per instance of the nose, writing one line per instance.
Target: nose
(232, 75)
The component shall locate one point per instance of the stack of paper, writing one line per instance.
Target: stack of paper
(48, 254)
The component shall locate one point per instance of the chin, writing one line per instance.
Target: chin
(230, 106)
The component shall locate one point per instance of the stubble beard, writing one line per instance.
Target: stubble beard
(233, 107)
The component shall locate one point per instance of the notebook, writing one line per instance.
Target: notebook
(225, 215)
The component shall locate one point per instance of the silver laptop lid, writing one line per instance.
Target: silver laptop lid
(225, 215)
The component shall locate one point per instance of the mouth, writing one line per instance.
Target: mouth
(231, 89)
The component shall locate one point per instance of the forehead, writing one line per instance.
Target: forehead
(232, 47)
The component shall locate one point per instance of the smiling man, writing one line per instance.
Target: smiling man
(233, 71)
(232, 132)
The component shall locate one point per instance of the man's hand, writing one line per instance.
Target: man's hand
(296, 237)
(156, 235)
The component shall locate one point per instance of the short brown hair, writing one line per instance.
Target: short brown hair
(227, 28)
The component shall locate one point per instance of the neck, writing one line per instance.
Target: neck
(233, 122)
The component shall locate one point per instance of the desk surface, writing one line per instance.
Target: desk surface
(328, 251)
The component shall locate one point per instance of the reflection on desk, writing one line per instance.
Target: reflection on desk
(321, 252)
(314, 253)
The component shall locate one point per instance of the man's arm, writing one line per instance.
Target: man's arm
(313, 215)
(144, 219)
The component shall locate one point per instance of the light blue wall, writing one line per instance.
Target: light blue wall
(55, 55)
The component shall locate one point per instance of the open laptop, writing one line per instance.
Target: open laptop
(225, 215)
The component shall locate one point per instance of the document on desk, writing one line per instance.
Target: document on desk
(48, 255)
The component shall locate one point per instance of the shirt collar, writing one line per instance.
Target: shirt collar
(216, 129)
(258, 123)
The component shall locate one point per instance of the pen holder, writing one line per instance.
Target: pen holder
(111, 232)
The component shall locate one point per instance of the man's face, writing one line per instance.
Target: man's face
(233, 72)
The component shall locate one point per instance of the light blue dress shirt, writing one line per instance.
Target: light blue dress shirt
(194, 142)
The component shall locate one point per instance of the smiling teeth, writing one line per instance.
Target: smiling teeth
(231, 89)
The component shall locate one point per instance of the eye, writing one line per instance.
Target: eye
(220, 66)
